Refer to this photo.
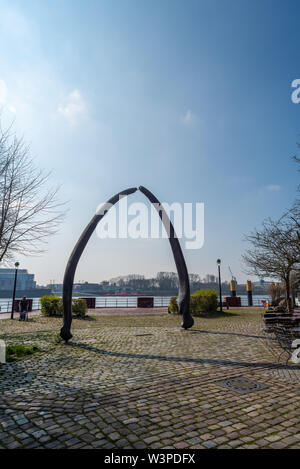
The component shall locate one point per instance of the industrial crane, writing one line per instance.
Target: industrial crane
(232, 276)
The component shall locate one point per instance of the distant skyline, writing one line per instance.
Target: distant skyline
(190, 99)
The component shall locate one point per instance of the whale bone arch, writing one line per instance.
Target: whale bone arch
(184, 285)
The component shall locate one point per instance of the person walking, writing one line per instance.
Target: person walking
(24, 306)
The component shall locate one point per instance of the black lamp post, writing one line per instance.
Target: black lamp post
(14, 293)
(220, 287)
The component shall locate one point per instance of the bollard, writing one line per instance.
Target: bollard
(232, 288)
(249, 292)
(2, 352)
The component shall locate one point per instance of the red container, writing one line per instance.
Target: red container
(234, 301)
(145, 302)
(90, 302)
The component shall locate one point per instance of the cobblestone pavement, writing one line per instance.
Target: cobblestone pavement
(142, 382)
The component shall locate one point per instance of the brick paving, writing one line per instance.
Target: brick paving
(142, 382)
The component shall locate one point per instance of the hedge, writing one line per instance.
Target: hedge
(79, 308)
(173, 306)
(51, 306)
(202, 301)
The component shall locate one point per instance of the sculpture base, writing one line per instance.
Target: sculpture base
(187, 323)
(65, 334)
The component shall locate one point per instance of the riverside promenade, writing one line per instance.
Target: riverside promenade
(132, 379)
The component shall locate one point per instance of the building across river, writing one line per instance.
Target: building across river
(25, 281)
(26, 285)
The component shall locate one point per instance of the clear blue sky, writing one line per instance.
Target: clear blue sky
(191, 99)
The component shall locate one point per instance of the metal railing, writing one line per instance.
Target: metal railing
(116, 302)
(125, 302)
(5, 305)
(101, 302)
(256, 301)
(159, 301)
(128, 301)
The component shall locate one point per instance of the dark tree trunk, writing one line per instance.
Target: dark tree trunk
(288, 293)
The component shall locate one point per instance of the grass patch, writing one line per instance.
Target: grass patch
(86, 318)
(15, 352)
(218, 314)
(44, 328)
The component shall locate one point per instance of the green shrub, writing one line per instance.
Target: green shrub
(13, 352)
(204, 301)
(51, 306)
(173, 306)
(194, 305)
(79, 308)
(57, 339)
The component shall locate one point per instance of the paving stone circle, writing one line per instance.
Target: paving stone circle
(113, 388)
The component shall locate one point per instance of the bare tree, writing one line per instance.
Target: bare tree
(295, 284)
(29, 212)
(296, 158)
(275, 252)
(294, 212)
(274, 291)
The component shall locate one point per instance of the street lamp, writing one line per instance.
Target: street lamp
(14, 293)
(220, 287)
